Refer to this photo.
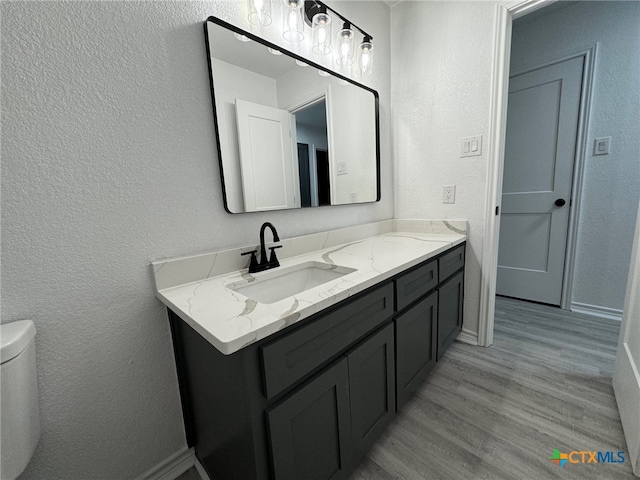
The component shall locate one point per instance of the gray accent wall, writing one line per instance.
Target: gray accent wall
(109, 162)
(611, 185)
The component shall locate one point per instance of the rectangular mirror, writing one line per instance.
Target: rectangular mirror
(290, 133)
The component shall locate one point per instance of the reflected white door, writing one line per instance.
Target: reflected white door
(542, 125)
(268, 157)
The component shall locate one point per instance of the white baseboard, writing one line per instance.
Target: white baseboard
(596, 311)
(201, 471)
(172, 467)
(466, 336)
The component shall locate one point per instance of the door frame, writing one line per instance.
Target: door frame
(495, 167)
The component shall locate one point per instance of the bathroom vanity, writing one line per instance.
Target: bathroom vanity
(317, 383)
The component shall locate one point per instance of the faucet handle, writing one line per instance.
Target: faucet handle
(253, 264)
(273, 260)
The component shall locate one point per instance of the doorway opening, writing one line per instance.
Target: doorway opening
(313, 147)
(546, 116)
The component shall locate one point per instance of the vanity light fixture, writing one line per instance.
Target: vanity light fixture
(316, 15)
(293, 30)
(274, 51)
(365, 60)
(300, 63)
(322, 73)
(321, 31)
(260, 12)
(346, 38)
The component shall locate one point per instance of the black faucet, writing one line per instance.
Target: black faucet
(264, 264)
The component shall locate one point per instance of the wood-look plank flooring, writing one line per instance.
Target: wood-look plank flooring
(499, 412)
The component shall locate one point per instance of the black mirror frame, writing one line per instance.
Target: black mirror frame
(268, 44)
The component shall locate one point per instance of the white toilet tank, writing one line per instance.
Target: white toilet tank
(19, 412)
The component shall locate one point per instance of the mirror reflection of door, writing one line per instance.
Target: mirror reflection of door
(324, 187)
(305, 174)
(311, 130)
(269, 177)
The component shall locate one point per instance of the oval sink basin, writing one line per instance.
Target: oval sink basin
(282, 282)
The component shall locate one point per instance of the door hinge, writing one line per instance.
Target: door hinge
(497, 210)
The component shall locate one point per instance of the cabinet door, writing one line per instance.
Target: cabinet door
(372, 389)
(310, 431)
(416, 335)
(450, 311)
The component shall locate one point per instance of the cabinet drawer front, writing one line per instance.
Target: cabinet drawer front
(451, 262)
(294, 356)
(413, 285)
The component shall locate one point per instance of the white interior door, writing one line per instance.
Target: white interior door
(542, 124)
(268, 157)
(626, 379)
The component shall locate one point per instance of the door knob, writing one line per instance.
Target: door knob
(560, 202)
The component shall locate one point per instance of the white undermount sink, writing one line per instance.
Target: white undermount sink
(282, 282)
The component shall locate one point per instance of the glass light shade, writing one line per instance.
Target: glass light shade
(273, 51)
(242, 38)
(321, 30)
(322, 73)
(365, 58)
(260, 12)
(345, 47)
(293, 28)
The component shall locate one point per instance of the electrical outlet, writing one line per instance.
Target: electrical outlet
(448, 194)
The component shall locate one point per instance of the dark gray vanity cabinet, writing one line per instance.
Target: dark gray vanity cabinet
(310, 431)
(308, 402)
(450, 298)
(416, 340)
(325, 427)
(425, 329)
(372, 389)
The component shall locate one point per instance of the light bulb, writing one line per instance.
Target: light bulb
(260, 12)
(365, 62)
(321, 29)
(346, 39)
(293, 23)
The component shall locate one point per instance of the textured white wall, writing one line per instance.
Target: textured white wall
(611, 185)
(441, 85)
(109, 161)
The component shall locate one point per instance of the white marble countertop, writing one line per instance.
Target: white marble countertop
(231, 321)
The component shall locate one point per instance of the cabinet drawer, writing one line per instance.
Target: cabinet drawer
(451, 262)
(294, 356)
(413, 285)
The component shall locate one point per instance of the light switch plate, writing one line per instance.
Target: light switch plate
(342, 168)
(471, 146)
(601, 146)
